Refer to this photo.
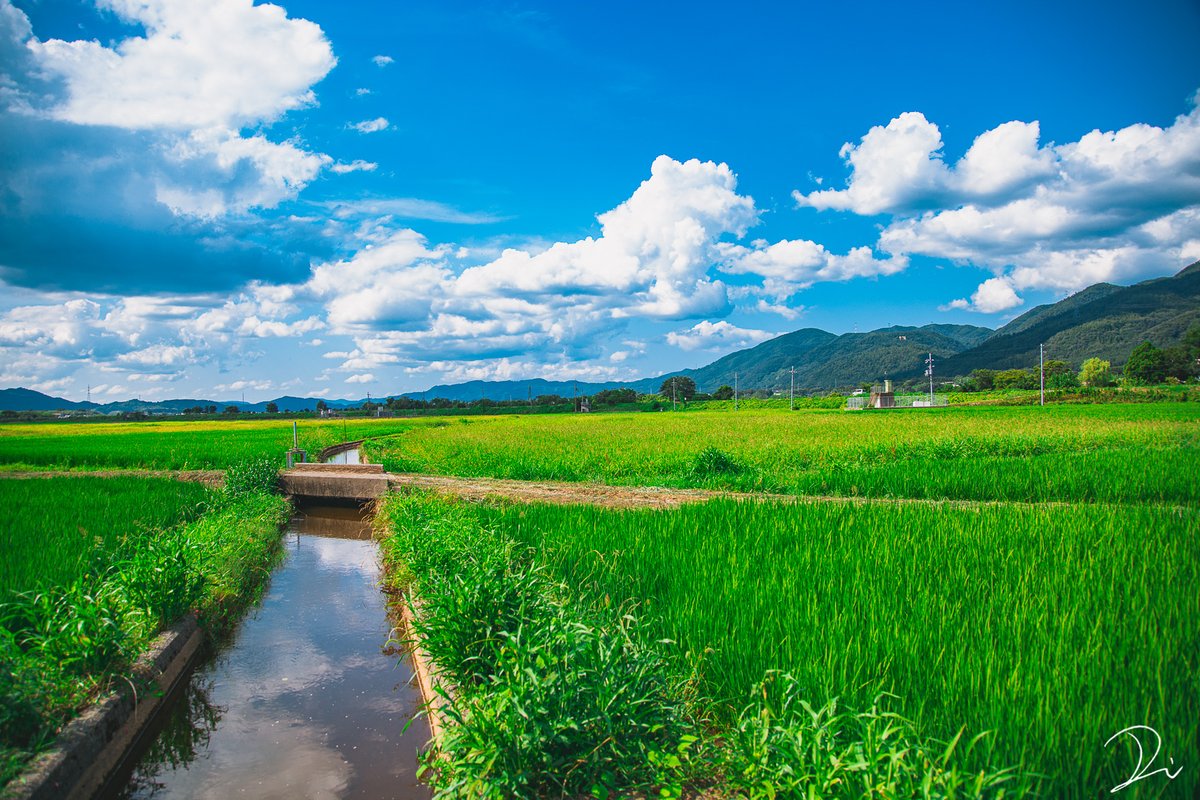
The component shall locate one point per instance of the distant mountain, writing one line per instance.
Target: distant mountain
(824, 360)
(22, 399)
(1102, 321)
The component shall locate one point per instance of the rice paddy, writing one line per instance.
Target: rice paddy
(1051, 627)
(174, 445)
(1107, 453)
(58, 529)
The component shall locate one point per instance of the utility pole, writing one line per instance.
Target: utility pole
(575, 397)
(672, 394)
(1042, 369)
(929, 372)
(735, 391)
(530, 387)
(792, 394)
(89, 393)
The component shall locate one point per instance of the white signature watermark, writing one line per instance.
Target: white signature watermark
(1140, 772)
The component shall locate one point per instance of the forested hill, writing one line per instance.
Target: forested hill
(824, 360)
(1102, 321)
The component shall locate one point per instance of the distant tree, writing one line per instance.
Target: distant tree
(723, 392)
(1146, 364)
(1062, 380)
(1053, 368)
(551, 400)
(369, 406)
(210, 410)
(231, 410)
(272, 407)
(1096, 372)
(982, 379)
(683, 388)
(610, 397)
(1014, 379)
(322, 405)
(1180, 362)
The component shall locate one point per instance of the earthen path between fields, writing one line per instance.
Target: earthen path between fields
(557, 492)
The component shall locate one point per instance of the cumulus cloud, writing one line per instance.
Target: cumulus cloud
(1112, 206)
(136, 146)
(993, 295)
(365, 377)
(382, 61)
(788, 266)
(223, 64)
(142, 335)
(371, 125)
(718, 335)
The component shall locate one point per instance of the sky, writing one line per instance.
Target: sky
(228, 198)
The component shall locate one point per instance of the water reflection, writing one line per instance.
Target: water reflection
(303, 702)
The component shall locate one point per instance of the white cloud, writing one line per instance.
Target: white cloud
(407, 208)
(718, 335)
(222, 63)
(182, 92)
(1112, 206)
(789, 266)
(365, 377)
(371, 125)
(383, 61)
(992, 296)
(651, 259)
(213, 189)
(357, 165)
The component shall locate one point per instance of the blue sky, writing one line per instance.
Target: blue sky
(206, 199)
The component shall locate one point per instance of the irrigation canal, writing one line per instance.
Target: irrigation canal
(305, 700)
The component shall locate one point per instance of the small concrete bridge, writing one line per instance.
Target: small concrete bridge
(335, 481)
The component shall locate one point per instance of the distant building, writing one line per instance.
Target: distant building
(882, 396)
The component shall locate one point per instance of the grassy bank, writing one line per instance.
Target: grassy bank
(1127, 453)
(1052, 627)
(564, 690)
(72, 624)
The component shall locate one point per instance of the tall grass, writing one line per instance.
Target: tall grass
(556, 694)
(176, 444)
(70, 627)
(1054, 627)
(59, 529)
(1134, 453)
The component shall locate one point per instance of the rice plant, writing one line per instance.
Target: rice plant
(1052, 628)
(561, 691)
(1114, 453)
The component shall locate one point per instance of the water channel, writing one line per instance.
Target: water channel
(306, 700)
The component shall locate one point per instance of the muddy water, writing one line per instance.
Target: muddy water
(303, 702)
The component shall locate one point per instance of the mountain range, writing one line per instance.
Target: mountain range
(1105, 321)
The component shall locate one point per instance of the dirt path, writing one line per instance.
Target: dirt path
(564, 493)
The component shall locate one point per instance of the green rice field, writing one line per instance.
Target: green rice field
(174, 444)
(1109, 453)
(58, 529)
(1052, 627)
